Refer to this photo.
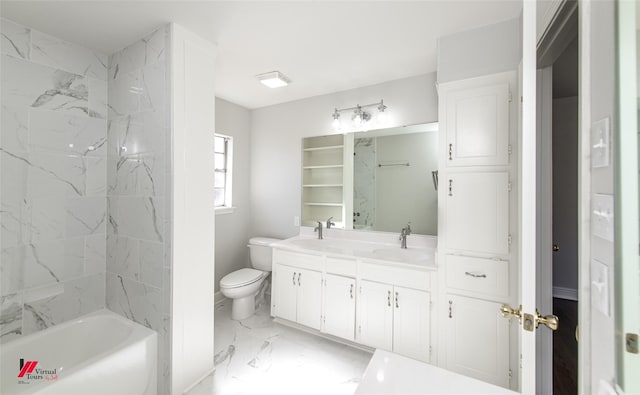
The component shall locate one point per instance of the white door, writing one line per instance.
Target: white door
(375, 315)
(477, 212)
(478, 126)
(411, 323)
(285, 292)
(309, 307)
(339, 306)
(477, 339)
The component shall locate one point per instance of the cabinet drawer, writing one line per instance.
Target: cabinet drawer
(416, 279)
(305, 261)
(478, 275)
(343, 267)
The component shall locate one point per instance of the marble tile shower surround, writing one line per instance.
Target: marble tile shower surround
(258, 356)
(364, 182)
(53, 175)
(138, 181)
(85, 178)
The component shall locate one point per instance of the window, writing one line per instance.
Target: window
(223, 148)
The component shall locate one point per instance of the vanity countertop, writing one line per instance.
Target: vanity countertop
(422, 258)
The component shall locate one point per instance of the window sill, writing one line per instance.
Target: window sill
(224, 210)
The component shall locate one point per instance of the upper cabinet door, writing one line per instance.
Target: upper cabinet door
(477, 212)
(477, 126)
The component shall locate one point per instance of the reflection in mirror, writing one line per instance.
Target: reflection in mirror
(395, 179)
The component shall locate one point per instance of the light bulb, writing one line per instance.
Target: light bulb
(383, 118)
(357, 120)
(336, 123)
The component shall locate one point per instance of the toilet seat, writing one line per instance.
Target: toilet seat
(241, 278)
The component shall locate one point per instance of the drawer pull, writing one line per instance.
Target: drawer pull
(450, 309)
(475, 275)
(397, 300)
(450, 151)
(294, 278)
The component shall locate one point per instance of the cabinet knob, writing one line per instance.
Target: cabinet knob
(397, 300)
(450, 187)
(299, 275)
(450, 151)
(294, 278)
(351, 291)
(389, 298)
(450, 309)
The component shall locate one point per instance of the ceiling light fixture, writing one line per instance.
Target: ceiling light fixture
(273, 79)
(360, 116)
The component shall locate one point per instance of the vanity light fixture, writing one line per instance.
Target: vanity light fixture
(360, 116)
(336, 120)
(273, 79)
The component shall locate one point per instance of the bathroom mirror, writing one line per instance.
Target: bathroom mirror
(395, 179)
(377, 180)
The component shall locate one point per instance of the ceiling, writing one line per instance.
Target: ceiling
(322, 46)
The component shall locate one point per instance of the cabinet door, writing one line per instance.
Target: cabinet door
(477, 126)
(412, 323)
(285, 288)
(309, 308)
(375, 315)
(340, 306)
(477, 339)
(477, 212)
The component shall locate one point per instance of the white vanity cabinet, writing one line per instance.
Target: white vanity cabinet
(297, 290)
(395, 315)
(371, 302)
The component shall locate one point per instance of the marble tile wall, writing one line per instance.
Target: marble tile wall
(53, 171)
(138, 182)
(364, 183)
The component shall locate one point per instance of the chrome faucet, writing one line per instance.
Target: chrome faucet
(406, 231)
(319, 230)
(330, 223)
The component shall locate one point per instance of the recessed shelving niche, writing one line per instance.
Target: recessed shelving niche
(323, 180)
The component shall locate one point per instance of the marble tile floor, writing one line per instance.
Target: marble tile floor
(258, 356)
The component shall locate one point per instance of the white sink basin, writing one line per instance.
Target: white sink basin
(409, 255)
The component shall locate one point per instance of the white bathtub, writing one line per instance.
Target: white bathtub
(99, 353)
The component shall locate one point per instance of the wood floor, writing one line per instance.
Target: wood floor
(565, 348)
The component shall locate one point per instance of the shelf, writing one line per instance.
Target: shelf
(323, 167)
(322, 185)
(329, 147)
(323, 204)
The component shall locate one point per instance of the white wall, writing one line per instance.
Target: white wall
(232, 229)
(277, 132)
(481, 51)
(565, 192)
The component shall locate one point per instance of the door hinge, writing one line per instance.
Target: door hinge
(509, 186)
(510, 376)
(430, 305)
(359, 328)
(510, 97)
(510, 149)
(509, 239)
(430, 352)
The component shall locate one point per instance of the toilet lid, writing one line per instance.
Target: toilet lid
(241, 277)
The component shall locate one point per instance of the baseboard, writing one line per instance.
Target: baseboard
(218, 297)
(565, 293)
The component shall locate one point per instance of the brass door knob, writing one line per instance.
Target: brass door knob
(556, 248)
(508, 311)
(551, 321)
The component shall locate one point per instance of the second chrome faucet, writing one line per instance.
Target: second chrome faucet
(406, 231)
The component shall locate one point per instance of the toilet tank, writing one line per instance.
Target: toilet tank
(260, 252)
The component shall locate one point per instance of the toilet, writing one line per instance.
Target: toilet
(243, 285)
